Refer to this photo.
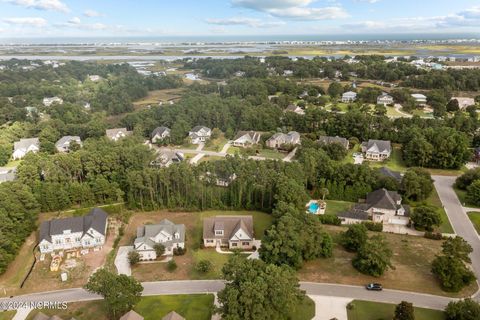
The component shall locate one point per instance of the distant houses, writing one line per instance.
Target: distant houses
(117, 133)
(295, 109)
(349, 96)
(199, 134)
(167, 157)
(165, 233)
(329, 140)
(377, 150)
(234, 232)
(159, 134)
(24, 146)
(280, 140)
(420, 99)
(380, 206)
(75, 233)
(464, 102)
(7, 174)
(48, 101)
(385, 99)
(63, 145)
(245, 139)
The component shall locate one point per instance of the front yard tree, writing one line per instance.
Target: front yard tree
(425, 218)
(355, 237)
(159, 249)
(120, 292)
(473, 193)
(404, 311)
(133, 257)
(458, 248)
(467, 309)
(452, 273)
(256, 290)
(417, 184)
(374, 256)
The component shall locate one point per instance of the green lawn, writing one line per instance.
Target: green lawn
(13, 163)
(191, 307)
(349, 157)
(271, 154)
(434, 201)
(462, 196)
(475, 218)
(392, 112)
(304, 311)
(7, 315)
(216, 144)
(335, 207)
(366, 310)
(394, 163)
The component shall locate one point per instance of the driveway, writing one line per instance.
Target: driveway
(121, 261)
(458, 218)
(290, 156)
(327, 308)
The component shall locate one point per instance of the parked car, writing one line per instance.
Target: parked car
(374, 287)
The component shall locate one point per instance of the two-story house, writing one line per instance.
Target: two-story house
(199, 134)
(160, 134)
(377, 150)
(74, 233)
(385, 99)
(117, 133)
(24, 146)
(349, 96)
(166, 233)
(234, 232)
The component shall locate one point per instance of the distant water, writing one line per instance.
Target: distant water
(251, 38)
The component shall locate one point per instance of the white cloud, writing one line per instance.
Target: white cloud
(75, 20)
(293, 9)
(250, 22)
(26, 21)
(54, 5)
(92, 13)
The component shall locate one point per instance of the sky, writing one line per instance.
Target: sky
(97, 18)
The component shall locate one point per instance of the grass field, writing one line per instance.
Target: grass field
(434, 200)
(412, 258)
(394, 163)
(154, 97)
(475, 218)
(271, 154)
(335, 207)
(192, 307)
(304, 311)
(366, 310)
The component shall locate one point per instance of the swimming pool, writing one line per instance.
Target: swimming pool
(313, 207)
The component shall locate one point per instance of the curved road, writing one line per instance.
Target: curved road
(211, 286)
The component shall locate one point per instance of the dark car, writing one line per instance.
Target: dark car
(374, 287)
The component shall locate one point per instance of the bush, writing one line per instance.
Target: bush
(425, 218)
(179, 251)
(133, 258)
(463, 310)
(433, 235)
(171, 265)
(203, 266)
(373, 226)
(330, 219)
(159, 250)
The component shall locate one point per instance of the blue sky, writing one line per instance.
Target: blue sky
(58, 18)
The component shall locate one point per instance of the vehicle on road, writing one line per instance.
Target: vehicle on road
(374, 287)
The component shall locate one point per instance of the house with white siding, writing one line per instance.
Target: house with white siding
(166, 233)
(24, 146)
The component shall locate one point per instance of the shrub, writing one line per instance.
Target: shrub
(171, 265)
(330, 219)
(179, 251)
(133, 258)
(373, 226)
(203, 266)
(159, 250)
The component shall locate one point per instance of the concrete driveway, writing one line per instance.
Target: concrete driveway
(121, 261)
(327, 308)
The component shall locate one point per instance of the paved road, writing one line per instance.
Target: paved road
(458, 218)
(212, 286)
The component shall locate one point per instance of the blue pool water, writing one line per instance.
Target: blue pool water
(313, 208)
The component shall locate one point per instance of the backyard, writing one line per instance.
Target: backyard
(367, 310)
(412, 257)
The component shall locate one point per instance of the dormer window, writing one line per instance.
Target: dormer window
(219, 232)
(177, 235)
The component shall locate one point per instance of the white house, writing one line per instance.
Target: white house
(167, 157)
(234, 232)
(160, 134)
(199, 134)
(464, 102)
(246, 138)
(117, 133)
(166, 233)
(63, 145)
(24, 146)
(94, 77)
(74, 233)
(349, 96)
(385, 99)
(420, 99)
(377, 150)
(47, 102)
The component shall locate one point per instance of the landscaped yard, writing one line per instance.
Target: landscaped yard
(216, 144)
(271, 154)
(412, 257)
(475, 218)
(192, 307)
(367, 310)
(434, 201)
(335, 207)
(186, 263)
(394, 163)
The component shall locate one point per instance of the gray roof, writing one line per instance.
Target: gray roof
(113, 132)
(230, 225)
(144, 233)
(67, 139)
(25, 143)
(131, 315)
(384, 199)
(356, 214)
(328, 140)
(286, 138)
(7, 174)
(389, 173)
(159, 130)
(165, 155)
(252, 135)
(380, 145)
(198, 128)
(95, 219)
(173, 316)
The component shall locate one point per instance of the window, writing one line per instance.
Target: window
(209, 241)
(234, 244)
(58, 241)
(219, 232)
(245, 243)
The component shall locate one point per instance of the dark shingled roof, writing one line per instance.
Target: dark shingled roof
(95, 219)
(384, 199)
(329, 140)
(159, 130)
(355, 214)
